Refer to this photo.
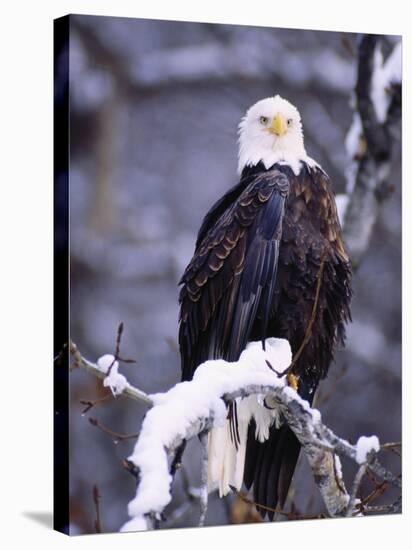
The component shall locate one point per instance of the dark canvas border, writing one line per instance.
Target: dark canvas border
(61, 275)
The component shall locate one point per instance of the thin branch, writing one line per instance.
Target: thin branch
(288, 515)
(119, 339)
(395, 508)
(243, 497)
(89, 404)
(117, 356)
(378, 491)
(116, 435)
(96, 500)
(393, 447)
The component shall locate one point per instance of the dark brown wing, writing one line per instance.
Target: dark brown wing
(230, 280)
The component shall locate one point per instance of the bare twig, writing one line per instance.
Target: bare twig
(117, 352)
(393, 447)
(89, 404)
(394, 508)
(115, 435)
(96, 500)
(289, 515)
(378, 491)
(117, 356)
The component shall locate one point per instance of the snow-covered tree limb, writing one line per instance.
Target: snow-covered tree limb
(192, 408)
(117, 382)
(370, 140)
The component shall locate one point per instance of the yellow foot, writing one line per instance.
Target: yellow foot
(292, 381)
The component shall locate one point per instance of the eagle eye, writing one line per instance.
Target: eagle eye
(263, 119)
(289, 122)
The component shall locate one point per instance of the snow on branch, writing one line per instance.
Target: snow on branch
(193, 408)
(369, 142)
(107, 369)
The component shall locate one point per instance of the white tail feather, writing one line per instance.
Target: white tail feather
(226, 463)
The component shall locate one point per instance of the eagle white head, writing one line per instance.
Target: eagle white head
(271, 131)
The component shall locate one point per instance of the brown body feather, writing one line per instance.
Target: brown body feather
(254, 274)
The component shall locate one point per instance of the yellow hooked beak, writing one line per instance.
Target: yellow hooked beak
(278, 126)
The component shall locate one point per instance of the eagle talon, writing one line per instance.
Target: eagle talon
(292, 381)
(265, 404)
(280, 374)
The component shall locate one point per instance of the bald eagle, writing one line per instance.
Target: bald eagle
(269, 261)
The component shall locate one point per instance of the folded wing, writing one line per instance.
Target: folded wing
(229, 284)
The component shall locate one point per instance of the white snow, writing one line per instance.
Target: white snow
(115, 381)
(104, 362)
(182, 406)
(364, 446)
(137, 523)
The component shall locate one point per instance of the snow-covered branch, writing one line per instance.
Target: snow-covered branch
(107, 369)
(369, 142)
(193, 408)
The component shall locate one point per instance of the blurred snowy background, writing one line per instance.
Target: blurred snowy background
(154, 112)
